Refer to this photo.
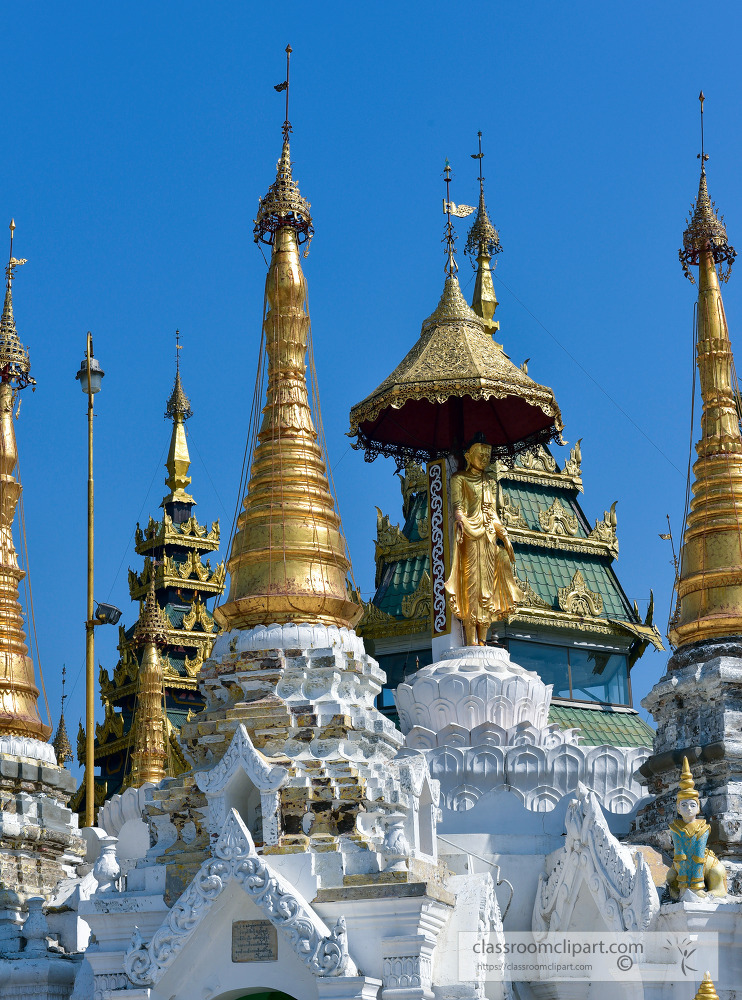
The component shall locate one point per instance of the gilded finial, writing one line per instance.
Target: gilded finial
(61, 742)
(483, 237)
(179, 405)
(706, 991)
(687, 786)
(153, 623)
(14, 361)
(705, 229)
(449, 236)
(283, 205)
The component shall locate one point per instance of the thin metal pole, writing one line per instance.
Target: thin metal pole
(89, 626)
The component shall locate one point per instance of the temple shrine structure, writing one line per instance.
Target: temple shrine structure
(296, 834)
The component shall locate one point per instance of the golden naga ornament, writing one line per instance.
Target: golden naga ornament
(709, 585)
(288, 561)
(694, 865)
(482, 585)
(19, 713)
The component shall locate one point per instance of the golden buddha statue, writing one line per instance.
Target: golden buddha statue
(482, 584)
(694, 866)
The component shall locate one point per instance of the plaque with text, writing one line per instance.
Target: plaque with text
(254, 941)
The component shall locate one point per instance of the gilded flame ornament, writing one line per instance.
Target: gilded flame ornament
(709, 584)
(288, 561)
(19, 713)
(482, 585)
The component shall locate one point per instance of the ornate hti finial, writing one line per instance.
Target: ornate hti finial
(687, 788)
(14, 361)
(483, 242)
(449, 235)
(179, 405)
(61, 742)
(706, 990)
(178, 458)
(483, 237)
(705, 229)
(283, 205)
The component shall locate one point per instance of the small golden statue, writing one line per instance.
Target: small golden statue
(694, 866)
(482, 585)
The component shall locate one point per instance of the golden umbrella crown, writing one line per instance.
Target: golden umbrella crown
(454, 382)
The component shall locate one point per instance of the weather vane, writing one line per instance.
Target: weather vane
(178, 348)
(449, 209)
(13, 262)
(285, 86)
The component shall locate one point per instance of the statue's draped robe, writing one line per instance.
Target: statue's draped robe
(482, 584)
(690, 852)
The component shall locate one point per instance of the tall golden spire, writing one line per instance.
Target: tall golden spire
(288, 561)
(19, 713)
(484, 241)
(149, 756)
(710, 580)
(178, 460)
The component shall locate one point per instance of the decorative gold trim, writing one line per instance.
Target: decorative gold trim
(578, 599)
(418, 604)
(557, 520)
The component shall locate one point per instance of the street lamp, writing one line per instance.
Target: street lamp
(90, 376)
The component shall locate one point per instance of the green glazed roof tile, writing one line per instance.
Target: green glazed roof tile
(400, 579)
(598, 726)
(547, 570)
(532, 498)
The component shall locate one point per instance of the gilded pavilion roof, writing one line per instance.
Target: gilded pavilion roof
(455, 357)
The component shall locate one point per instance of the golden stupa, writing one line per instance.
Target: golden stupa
(19, 713)
(709, 585)
(288, 561)
(149, 754)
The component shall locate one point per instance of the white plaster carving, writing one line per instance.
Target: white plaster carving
(268, 778)
(621, 886)
(537, 775)
(234, 858)
(122, 808)
(25, 746)
(469, 687)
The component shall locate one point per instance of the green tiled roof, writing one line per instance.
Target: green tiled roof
(418, 509)
(599, 726)
(531, 498)
(549, 569)
(399, 579)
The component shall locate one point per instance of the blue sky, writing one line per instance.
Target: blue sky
(138, 139)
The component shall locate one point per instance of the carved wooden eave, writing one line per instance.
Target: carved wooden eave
(112, 727)
(377, 624)
(584, 546)
(188, 534)
(190, 575)
(540, 467)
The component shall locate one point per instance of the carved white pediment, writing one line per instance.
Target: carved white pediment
(242, 760)
(241, 753)
(593, 860)
(234, 859)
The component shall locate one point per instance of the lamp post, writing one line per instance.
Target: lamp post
(90, 376)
